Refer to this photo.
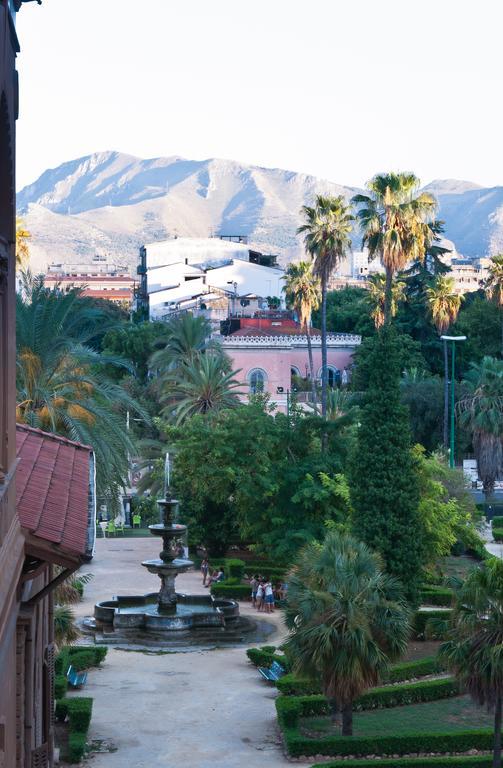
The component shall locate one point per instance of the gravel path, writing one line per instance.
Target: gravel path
(198, 709)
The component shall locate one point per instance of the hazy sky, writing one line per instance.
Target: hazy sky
(336, 88)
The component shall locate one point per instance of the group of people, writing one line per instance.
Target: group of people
(264, 594)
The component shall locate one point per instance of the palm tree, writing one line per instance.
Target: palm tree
(481, 410)
(326, 238)
(474, 650)
(444, 305)
(494, 286)
(347, 618)
(396, 222)
(376, 297)
(302, 291)
(62, 386)
(205, 384)
(186, 337)
(22, 248)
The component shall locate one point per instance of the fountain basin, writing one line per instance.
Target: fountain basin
(144, 612)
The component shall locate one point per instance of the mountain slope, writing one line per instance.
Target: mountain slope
(111, 203)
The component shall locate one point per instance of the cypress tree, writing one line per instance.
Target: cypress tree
(383, 476)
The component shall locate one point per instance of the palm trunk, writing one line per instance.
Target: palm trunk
(347, 720)
(388, 296)
(311, 365)
(497, 734)
(446, 397)
(324, 370)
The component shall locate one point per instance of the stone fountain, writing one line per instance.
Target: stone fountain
(155, 619)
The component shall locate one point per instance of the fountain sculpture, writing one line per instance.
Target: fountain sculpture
(166, 611)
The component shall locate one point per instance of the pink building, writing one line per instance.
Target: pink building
(270, 358)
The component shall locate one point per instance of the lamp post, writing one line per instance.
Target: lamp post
(452, 339)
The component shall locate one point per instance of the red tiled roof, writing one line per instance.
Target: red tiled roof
(274, 331)
(52, 487)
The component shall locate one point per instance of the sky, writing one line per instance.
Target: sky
(340, 89)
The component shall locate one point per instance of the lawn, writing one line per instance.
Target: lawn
(457, 566)
(445, 716)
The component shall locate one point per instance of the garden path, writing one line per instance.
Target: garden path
(200, 709)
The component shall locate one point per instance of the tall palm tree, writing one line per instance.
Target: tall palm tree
(494, 286)
(347, 618)
(474, 650)
(481, 410)
(376, 297)
(395, 219)
(204, 384)
(444, 305)
(326, 237)
(62, 386)
(186, 337)
(302, 291)
(22, 248)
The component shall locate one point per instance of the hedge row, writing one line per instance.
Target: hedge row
(498, 534)
(264, 657)
(78, 710)
(60, 686)
(292, 685)
(497, 521)
(462, 741)
(471, 761)
(79, 656)
(232, 591)
(423, 623)
(432, 595)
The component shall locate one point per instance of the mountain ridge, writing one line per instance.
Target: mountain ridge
(111, 202)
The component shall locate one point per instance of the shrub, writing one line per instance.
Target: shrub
(233, 591)
(234, 569)
(498, 534)
(291, 685)
(60, 686)
(475, 761)
(497, 521)
(461, 741)
(85, 656)
(264, 657)
(411, 693)
(423, 623)
(76, 746)
(432, 595)
(409, 670)
(62, 661)
(290, 708)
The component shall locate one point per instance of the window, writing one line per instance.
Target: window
(334, 376)
(294, 371)
(257, 379)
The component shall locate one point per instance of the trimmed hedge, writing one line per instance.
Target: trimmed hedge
(463, 761)
(462, 741)
(77, 743)
(432, 595)
(264, 657)
(291, 685)
(498, 534)
(60, 686)
(234, 591)
(78, 710)
(80, 656)
(422, 623)
(409, 693)
(497, 521)
(234, 568)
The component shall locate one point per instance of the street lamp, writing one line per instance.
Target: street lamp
(453, 339)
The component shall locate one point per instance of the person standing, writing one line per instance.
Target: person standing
(253, 587)
(268, 597)
(260, 596)
(205, 566)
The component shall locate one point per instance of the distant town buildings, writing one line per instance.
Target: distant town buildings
(99, 280)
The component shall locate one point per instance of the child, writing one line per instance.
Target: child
(259, 596)
(253, 586)
(268, 597)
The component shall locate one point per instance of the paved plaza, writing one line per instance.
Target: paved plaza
(200, 709)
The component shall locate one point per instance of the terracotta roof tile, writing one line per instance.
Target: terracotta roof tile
(52, 487)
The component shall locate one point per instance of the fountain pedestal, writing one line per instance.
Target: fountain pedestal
(169, 565)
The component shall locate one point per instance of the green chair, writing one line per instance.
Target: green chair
(136, 521)
(119, 527)
(111, 529)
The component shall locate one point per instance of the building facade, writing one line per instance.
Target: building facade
(99, 281)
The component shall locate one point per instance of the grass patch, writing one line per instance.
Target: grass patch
(453, 715)
(457, 566)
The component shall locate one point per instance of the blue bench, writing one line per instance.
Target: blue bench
(76, 679)
(273, 673)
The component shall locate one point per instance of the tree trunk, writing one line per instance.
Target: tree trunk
(347, 720)
(446, 397)
(324, 369)
(497, 734)
(388, 296)
(311, 365)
